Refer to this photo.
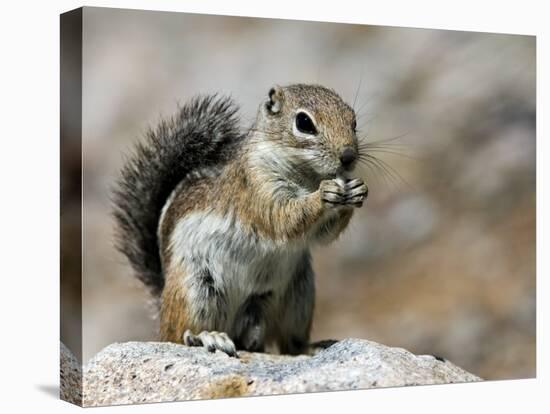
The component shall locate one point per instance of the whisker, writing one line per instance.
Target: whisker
(364, 146)
(383, 167)
(388, 169)
(358, 112)
(379, 175)
(385, 141)
(369, 119)
(396, 153)
(372, 169)
(358, 89)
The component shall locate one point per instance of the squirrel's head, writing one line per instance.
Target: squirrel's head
(309, 130)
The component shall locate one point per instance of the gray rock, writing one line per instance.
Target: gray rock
(70, 377)
(139, 372)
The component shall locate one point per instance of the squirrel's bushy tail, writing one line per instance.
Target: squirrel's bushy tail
(204, 132)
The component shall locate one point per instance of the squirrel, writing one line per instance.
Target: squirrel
(218, 222)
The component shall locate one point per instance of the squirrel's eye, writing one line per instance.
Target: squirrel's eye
(305, 124)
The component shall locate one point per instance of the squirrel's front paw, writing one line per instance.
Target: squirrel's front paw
(333, 193)
(356, 192)
(336, 193)
(211, 341)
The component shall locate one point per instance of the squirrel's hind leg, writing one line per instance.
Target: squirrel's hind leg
(250, 324)
(294, 326)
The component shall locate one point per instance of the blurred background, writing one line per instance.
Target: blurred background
(440, 260)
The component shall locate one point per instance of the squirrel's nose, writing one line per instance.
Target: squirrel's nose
(347, 157)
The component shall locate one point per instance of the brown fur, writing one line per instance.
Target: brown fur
(274, 218)
(173, 314)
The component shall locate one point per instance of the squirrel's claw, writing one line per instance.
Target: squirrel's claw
(352, 193)
(332, 193)
(211, 341)
(356, 192)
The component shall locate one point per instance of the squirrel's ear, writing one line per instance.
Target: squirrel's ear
(275, 101)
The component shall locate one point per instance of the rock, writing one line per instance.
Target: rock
(139, 372)
(70, 377)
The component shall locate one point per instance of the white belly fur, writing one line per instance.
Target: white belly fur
(242, 263)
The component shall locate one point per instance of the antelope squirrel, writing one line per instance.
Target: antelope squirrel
(218, 223)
